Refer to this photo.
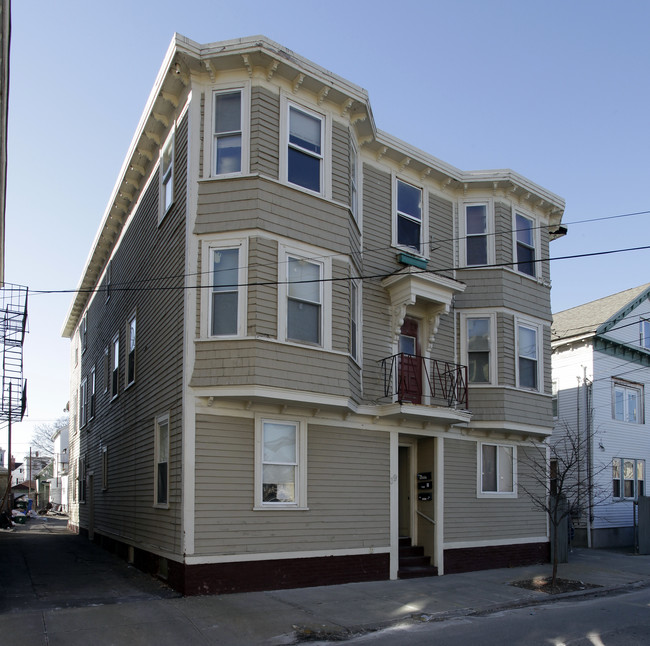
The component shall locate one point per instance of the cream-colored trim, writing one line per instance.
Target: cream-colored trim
(273, 556)
(464, 350)
(496, 542)
(439, 509)
(479, 471)
(425, 250)
(536, 230)
(164, 418)
(462, 230)
(394, 504)
(522, 321)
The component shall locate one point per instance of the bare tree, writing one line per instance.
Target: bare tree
(42, 436)
(561, 476)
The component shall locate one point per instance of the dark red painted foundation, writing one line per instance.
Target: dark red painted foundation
(470, 559)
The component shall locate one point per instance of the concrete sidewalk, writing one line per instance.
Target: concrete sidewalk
(95, 598)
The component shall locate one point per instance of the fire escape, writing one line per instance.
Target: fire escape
(13, 309)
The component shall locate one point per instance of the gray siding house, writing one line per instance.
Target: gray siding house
(300, 345)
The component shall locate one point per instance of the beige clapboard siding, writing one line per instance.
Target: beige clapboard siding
(503, 229)
(262, 292)
(257, 203)
(347, 492)
(441, 234)
(277, 365)
(469, 518)
(147, 254)
(340, 163)
(265, 132)
(340, 305)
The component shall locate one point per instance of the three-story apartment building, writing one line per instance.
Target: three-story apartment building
(298, 339)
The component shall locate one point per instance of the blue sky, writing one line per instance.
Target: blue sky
(556, 90)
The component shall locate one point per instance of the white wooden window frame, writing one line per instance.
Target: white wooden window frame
(115, 367)
(286, 104)
(210, 152)
(300, 503)
(316, 256)
(535, 230)
(464, 344)
(622, 479)
(538, 329)
(625, 387)
(132, 319)
(489, 233)
(208, 247)
(92, 399)
(479, 471)
(160, 420)
(424, 219)
(83, 402)
(83, 333)
(166, 176)
(644, 333)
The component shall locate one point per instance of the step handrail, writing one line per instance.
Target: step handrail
(425, 517)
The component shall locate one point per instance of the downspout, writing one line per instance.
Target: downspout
(590, 456)
(578, 434)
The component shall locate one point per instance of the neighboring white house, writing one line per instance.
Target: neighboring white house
(601, 367)
(59, 482)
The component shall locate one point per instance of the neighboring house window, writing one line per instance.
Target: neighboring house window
(408, 224)
(525, 241)
(628, 478)
(304, 301)
(81, 474)
(93, 386)
(281, 464)
(104, 468)
(161, 466)
(130, 365)
(107, 369)
(354, 179)
(627, 404)
(109, 278)
(477, 241)
(355, 319)
(228, 133)
(115, 366)
(497, 469)
(554, 398)
(167, 175)
(83, 403)
(305, 149)
(83, 333)
(479, 341)
(644, 334)
(527, 357)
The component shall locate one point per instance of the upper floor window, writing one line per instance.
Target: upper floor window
(167, 175)
(228, 132)
(644, 334)
(408, 216)
(130, 366)
(83, 403)
(628, 402)
(305, 149)
(83, 333)
(115, 366)
(109, 278)
(525, 244)
(479, 349)
(478, 244)
(628, 478)
(93, 389)
(224, 308)
(497, 469)
(528, 365)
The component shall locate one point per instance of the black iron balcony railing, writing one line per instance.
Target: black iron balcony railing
(421, 380)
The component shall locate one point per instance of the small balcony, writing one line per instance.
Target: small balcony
(424, 381)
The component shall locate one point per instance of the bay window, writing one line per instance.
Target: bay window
(228, 132)
(408, 216)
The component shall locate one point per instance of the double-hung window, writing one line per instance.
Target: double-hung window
(83, 403)
(644, 334)
(354, 179)
(628, 477)
(498, 469)
(81, 475)
(93, 390)
(130, 367)
(477, 241)
(525, 234)
(479, 349)
(627, 402)
(305, 148)
(408, 216)
(528, 365)
(355, 319)
(83, 333)
(228, 132)
(167, 175)
(115, 366)
(224, 305)
(161, 461)
(281, 464)
(304, 301)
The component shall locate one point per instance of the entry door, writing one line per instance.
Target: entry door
(410, 369)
